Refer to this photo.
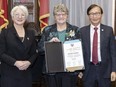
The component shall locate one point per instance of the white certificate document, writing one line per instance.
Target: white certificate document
(73, 55)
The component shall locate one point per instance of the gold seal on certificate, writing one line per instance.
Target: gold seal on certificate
(64, 57)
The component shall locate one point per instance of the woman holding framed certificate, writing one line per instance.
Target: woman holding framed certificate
(61, 31)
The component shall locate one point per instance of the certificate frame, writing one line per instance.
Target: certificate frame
(56, 56)
(73, 55)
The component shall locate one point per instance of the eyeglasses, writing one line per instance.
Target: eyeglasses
(60, 14)
(95, 14)
(19, 15)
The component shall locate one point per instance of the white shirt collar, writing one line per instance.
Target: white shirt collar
(92, 26)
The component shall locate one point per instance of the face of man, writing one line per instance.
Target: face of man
(95, 16)
(61, 17)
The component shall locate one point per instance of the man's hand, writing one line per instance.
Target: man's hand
(80, 75)
(113, 76)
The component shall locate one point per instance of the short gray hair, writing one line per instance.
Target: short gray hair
(22, 7)
(60, 7)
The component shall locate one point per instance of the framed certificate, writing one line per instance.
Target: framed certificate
(73, 55)
(64, 57)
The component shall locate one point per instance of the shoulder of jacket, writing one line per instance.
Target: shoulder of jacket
(73, 26)
(48, 28)
(103, 25)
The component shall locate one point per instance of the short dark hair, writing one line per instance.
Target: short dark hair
(93, 6)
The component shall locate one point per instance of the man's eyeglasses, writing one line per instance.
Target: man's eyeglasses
(95, 14)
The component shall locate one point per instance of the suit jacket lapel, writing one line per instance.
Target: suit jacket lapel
(88, 41)
(101, 35)
(27, 38)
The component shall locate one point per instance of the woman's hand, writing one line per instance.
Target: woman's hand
(26, 64)
(22, 65)
(54, 39)
(18, 64)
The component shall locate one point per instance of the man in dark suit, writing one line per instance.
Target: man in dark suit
(99, 50)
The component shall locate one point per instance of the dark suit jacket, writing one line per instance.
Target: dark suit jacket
(107, 48)
(12, 49)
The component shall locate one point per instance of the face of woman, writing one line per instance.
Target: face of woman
(61, 17)
(19, 17)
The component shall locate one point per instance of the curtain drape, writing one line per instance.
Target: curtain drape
(77, 11)
(3, 14)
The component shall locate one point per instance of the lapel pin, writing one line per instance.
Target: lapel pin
(27, 38)
(102, 30)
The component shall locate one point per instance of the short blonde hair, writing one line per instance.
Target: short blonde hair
(60, 7)
(22, 7)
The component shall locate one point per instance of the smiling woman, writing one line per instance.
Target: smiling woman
(33, 8)
(17, 50)
(60, 31)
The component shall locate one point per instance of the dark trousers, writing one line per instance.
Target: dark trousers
(95, 78)
(61, 80)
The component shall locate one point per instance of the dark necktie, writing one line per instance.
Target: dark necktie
(95, 47)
